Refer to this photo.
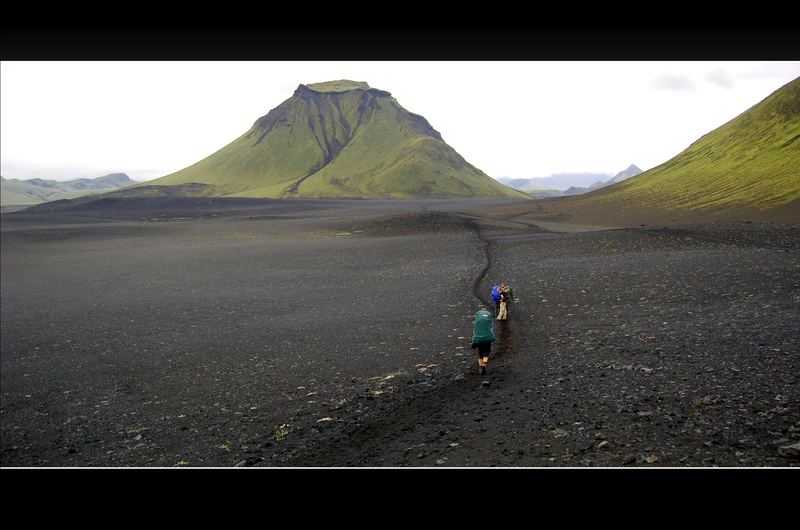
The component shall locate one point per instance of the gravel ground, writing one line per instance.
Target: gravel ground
(337, 334)
(646, 347)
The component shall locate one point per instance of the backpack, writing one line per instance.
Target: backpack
(496, 293)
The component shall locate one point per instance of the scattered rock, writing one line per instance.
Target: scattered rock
(559, 433)
(602, 444)
(629, 459)
(791, 451)
(699, 402)
(486, 384)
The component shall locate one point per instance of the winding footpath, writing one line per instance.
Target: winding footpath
(417, 420)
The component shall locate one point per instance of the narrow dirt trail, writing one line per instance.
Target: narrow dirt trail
(385, 440)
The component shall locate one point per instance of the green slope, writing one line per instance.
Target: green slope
(340, 139)
(752, 162)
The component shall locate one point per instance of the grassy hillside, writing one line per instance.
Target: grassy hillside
(751, 163)
(340, 139)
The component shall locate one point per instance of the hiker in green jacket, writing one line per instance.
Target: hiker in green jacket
(483, 336)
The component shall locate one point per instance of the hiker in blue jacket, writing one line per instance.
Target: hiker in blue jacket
(483, 336)
(496, 296)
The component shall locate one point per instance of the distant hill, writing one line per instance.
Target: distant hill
(747, 169)
(563, 181)
(514, 183)
(16, 192)
(631, 171)
(539, 188)
(339, 139)
(573, 190)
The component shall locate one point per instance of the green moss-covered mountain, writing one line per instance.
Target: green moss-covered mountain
(750, 165)
(340, 139)
(18, 192)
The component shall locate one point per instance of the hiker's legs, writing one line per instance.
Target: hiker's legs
(484, 349)
(482, 363)
(502, 315)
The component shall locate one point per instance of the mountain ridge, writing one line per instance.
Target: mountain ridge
(538, 185)
(18, 192)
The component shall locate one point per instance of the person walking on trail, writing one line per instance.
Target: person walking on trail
(502, 293)
(496, 298)
(502, 313)
(506, 297)
(483, 336)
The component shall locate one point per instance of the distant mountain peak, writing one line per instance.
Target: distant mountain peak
(338, 88)
(631, 171)
(341, 85)
(340, 139)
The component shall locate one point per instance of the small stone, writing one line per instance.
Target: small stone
(699, 402)
(559, 433)
(791, 451)
(629, 459)
(442, 460)
(459, 377)
(602, 444)
(486, 384)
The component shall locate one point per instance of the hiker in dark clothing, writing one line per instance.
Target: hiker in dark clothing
(502, 313)
(482, 337)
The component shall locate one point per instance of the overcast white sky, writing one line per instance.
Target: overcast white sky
(65, 120)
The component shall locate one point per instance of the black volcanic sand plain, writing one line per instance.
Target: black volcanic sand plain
(207, 332)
